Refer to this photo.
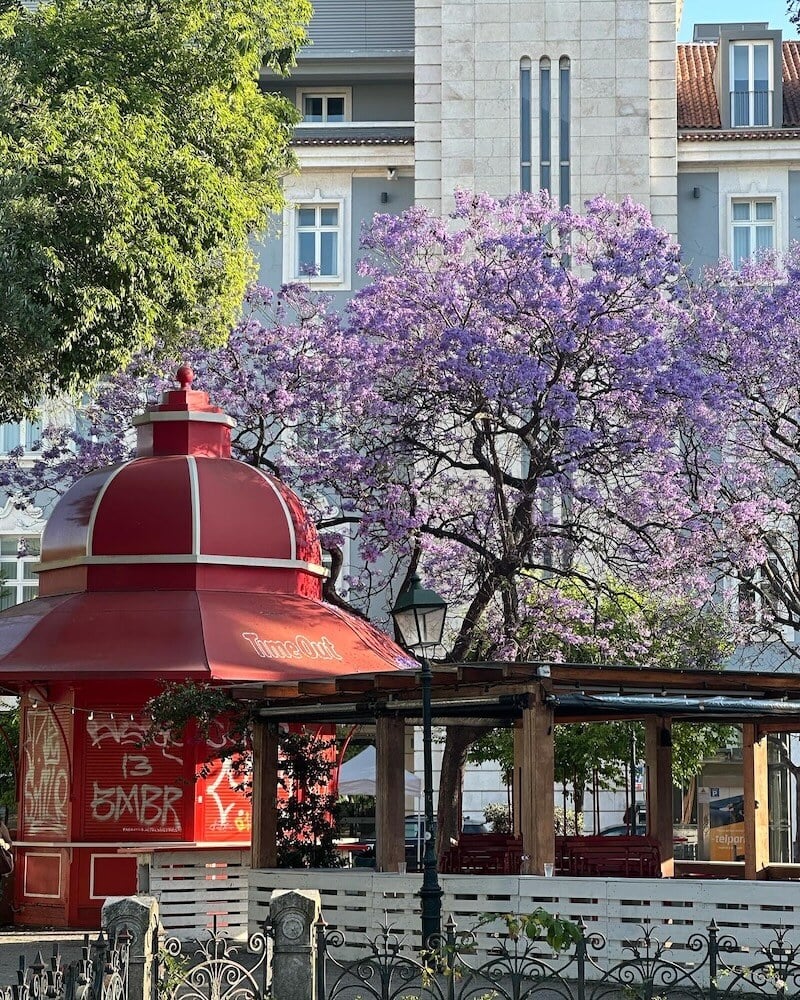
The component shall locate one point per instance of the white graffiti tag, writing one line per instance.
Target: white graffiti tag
(131, 732)
(151, 806)
(46, 788)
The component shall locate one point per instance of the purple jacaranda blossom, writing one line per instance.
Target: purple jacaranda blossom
(507, 402)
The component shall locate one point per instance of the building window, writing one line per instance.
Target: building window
(318, 241)
(751, 83)
(525, 124)
(564, 193)
(544, 124)
(24, 434)
(19, 554)
(324, 106)
(752, 228)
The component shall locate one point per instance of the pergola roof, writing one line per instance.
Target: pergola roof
(578, 692)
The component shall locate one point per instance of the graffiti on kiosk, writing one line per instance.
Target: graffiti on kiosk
(133, 781)
(151, 806)
(46, 789)
(132, 732)
(230, 812)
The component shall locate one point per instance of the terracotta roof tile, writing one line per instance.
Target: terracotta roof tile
(357, 135)
(791, 83)
(698, 107)
(697, 99)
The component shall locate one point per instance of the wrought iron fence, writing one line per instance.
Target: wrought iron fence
(215, 969)
(712, 967)
(101, 973)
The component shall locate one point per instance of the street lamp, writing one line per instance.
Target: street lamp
(419, 617)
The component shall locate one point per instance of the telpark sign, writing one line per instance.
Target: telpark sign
(301, 647)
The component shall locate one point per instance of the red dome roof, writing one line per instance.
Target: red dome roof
(184, 564)
(184, 515)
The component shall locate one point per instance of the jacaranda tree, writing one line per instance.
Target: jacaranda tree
(501, 407)
(745, 332)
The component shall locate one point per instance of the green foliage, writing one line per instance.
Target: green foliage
(185, 705)
(138, 157)
(499, 816)
(567, 822)
(9, 757)
(307, 817)
(559, 934)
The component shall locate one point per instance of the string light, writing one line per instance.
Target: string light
(92, 714)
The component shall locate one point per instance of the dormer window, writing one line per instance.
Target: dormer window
(751, 83)
(325, 106)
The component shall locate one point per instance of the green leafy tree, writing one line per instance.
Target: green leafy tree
(138, 155)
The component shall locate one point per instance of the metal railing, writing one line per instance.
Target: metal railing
(710, 966)
(101, 973)
(751, 108)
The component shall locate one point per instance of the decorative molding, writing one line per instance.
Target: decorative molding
(21, 521)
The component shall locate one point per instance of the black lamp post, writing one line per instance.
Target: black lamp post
(419, 616)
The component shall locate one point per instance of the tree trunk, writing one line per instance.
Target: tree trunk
(578, 799)
(454, 758)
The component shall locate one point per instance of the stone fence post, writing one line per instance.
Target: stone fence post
(293, 914)
(139, 914)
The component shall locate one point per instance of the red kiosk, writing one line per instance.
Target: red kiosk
(179, 564)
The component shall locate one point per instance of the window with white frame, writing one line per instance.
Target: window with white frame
(19, 555)
(318, 241)
(25, 434)
(751, 86)
(752, 227)
(324, 106)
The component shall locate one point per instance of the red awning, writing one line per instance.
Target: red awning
(197, 635)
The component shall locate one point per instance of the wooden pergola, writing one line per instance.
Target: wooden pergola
(533, 697)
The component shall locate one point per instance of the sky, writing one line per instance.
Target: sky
(723, 11)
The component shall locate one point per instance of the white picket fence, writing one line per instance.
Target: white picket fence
(357, 902)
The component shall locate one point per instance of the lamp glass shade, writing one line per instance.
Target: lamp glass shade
(419, 615)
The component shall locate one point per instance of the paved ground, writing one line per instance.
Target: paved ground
(29, 943)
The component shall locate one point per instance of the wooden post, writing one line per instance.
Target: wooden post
(537, 803)
(516, 782)
(265, 795)
(390, 794)
(658, 751)
(756, 812)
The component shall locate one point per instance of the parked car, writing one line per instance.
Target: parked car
(471, 825)
(684, 838)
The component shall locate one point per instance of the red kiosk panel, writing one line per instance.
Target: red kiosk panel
(46, 764)
(222, 813)
(222, 810)
(133, 792)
